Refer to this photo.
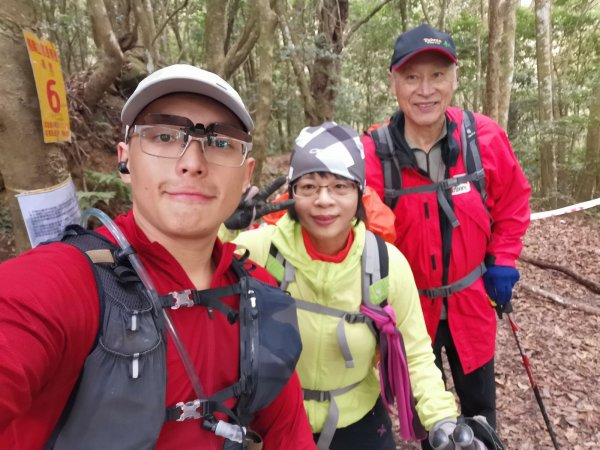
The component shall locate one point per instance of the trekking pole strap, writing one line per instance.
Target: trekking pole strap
(449, 289)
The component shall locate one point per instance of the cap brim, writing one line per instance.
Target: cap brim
(406, 59)
(142, 98)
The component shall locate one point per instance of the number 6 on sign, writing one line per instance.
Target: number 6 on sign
(53, 97)
(50, 88)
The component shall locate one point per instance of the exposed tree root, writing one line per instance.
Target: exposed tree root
(558, 299)
(591, 285)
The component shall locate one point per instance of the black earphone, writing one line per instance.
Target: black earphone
(122, 167)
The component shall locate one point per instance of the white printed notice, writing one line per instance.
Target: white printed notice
(48, 211)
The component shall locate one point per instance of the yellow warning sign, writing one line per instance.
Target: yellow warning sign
(50, 88)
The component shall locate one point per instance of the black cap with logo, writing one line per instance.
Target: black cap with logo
(421, 39)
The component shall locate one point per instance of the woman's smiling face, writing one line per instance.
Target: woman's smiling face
(328, 214)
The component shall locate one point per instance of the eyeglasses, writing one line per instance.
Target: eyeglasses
(336, 189)
(171, 140)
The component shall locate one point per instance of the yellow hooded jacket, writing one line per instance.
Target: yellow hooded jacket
(338, 285)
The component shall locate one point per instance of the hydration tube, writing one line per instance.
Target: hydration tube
(223, 430)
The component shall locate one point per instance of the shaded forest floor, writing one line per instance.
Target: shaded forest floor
(561, 342)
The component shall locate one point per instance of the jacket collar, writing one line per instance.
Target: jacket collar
(404, 153)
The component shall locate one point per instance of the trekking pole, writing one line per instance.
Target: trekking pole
(507, 309)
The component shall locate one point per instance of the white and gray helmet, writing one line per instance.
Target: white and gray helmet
(330, 148)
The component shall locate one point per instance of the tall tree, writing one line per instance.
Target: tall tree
(588, 184)
(225, 60)
(333, 17)
(110, 56)
(144, 16)
(546, 147)
(492, 86)
(317, 61)
(264, 98)
(26, 163)
(507, 60)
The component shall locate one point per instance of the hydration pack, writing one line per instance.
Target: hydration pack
(119, 399)
(378, 315)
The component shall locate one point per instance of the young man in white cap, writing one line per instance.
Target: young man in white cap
(461, 205)
(89, 357)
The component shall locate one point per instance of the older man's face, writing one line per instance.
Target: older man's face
(424, 87)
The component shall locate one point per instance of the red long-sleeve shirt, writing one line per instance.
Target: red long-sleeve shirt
(49, 318)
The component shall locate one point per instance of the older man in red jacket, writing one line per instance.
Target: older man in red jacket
(459, 227)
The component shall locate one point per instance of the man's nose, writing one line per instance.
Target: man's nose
(193, 159)
(426, 87)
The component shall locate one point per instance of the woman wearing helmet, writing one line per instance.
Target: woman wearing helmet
(316, 253)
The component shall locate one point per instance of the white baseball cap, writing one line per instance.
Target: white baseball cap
(183, 78)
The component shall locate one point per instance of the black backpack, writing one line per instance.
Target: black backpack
(392, 174)
(392, 177)
(122, 385)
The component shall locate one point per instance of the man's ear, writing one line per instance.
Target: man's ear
(123, 155)
(456, 74)
(248, 171)
(392, 84)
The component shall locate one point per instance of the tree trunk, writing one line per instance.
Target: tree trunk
(110, 58)
(215, 31)
(507, 60)
(477, 89)
(264, 96)
(333, 17)
(26, 163)
(589, 181)
(490, 103)
(292, 42)
(546, 148)
(145, 21)
(318, 81)
(441, 25)
(219, 59)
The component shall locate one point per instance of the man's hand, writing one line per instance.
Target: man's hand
(499, 282)
(254, 205)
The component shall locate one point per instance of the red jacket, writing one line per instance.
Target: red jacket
(419, 236)
(48, 322)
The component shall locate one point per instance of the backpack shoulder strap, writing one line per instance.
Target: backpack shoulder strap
(278, 266)
(375, 269)
(471, 154)
(392, 175)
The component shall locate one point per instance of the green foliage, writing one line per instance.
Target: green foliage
(363, 92)
(364, 96)
(104, 188)
(91, 199)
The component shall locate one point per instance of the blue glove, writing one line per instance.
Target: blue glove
(499, 282)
